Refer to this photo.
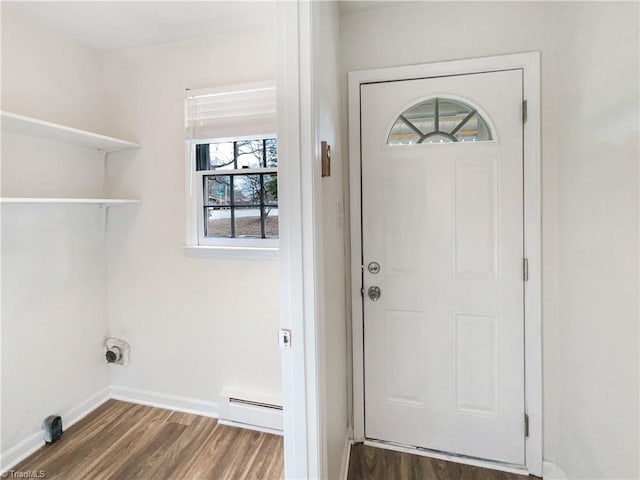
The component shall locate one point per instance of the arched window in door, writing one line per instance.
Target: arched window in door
(439, 120)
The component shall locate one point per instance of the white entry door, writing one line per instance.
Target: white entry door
(442, 240)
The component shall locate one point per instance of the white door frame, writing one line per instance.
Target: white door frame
(530, 65)
(301, 249)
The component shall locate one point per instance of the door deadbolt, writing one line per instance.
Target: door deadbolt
(373, 267)
(374, 293)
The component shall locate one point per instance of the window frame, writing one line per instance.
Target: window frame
(197, 243)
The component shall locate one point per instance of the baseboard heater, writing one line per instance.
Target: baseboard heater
(252, 411)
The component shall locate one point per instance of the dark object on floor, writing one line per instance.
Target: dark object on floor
(52, 427)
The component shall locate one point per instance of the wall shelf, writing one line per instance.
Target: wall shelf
(32, 126)
(103, 202)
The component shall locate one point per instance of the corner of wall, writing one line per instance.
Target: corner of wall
(48, 75)
(552, 471)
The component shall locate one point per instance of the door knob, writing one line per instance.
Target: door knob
(374, 293)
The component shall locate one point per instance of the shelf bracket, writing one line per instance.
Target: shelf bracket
(104, 209)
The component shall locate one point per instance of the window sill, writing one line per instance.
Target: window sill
(242, 253)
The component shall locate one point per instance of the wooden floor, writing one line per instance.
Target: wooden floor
(369, 463)
(127, 441)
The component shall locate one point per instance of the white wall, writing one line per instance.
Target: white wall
(590, 195)
(49, 76)
(195, 325)
(598, 154)
(53, 258)
(333, 328)
(53, 314)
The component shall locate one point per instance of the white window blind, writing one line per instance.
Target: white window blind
(232, 111)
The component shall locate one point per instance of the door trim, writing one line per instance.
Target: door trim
(300, 250)
(529, 63)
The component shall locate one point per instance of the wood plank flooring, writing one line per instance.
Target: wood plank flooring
(369, 463)
(125, 441)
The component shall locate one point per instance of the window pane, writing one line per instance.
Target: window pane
(421, 117)
(248, 222)
(437, 138)
(246, 190)
(218, 222)
(475, 129)
(271, 222)
(238, 203)
(217, 190)
(272, 152)
(250, 153)
(451, 114)
(216, 156)
(439, 120)
(271, 189)
(402, 134)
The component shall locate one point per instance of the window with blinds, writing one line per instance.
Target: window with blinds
(241, 110)
(233, 166)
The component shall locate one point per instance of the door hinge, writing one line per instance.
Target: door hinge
(526, 425)
(525, 269)
(524, 111)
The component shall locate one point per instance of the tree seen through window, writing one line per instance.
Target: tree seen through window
(240, 187)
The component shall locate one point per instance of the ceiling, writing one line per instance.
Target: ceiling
(109, 25)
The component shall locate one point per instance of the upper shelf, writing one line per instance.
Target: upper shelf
(33, 126)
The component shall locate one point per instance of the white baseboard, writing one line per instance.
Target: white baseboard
(346, 455)
(163, 400)
(14, 455)
(551, 471)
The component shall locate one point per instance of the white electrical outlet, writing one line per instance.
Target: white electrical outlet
(117, 351)
(284, 338)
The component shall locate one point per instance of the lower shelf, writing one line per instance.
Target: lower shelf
(104, 202)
